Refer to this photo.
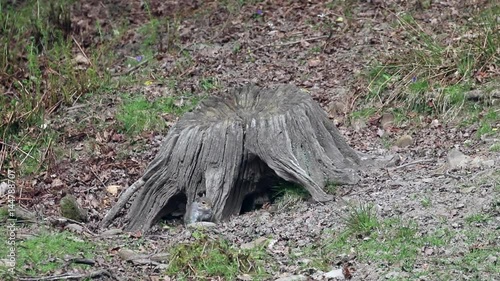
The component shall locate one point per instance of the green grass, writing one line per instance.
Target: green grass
(395, 245)
(33, 151)
(38, 66)
(477, 218)
(45, 252)
(430, 76)
(286, 195)
(495, 147)
(37, 60)
(361, 220)
(208, 84)
(488, 122)
(426, 202)
(137, 114)
(364, 113)
(207, 257)
(331, 187)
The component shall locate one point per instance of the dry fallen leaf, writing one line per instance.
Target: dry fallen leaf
(113, 189)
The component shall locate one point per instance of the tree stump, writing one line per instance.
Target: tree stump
(231, 147)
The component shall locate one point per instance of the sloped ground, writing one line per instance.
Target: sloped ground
(324, 48)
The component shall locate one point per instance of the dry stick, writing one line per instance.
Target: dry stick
(44, 156)
(291, 43)
(29, 152)
(81, 50)
(412, 163)
(3, 155)
(16, 148)
(80, 261)
(132, 69)
(29, 94)
(92, 170)
(124, 197)
(188, 71)
(452, 176)
(68, 276)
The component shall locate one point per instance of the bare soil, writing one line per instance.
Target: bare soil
(321, 47)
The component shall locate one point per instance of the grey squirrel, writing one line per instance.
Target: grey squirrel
(200, 210)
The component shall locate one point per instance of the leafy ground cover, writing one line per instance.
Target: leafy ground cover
(90, 88)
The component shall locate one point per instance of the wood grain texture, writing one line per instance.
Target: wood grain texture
(229, 144)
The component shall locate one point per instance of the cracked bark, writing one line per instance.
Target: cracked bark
(228, 144)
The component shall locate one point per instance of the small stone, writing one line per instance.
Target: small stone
(314, 62)
(261, 241)
(201, 224)
(387, 120)
(81, 59)
(457, 159)
(129, 255)
(70, 209)
(336, 273)
(112, 232)
(57, 183)
(428, 251)
(435, 123)
(74, 228)
(488, 163)
(404, 141)
(244, 277)
(160, 257)
(492, 259)
(113, 189)
(292, 278)
(304, 261)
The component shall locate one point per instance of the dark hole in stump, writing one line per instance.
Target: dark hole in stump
(175, 209)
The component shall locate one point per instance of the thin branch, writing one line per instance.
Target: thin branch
(124, 197)
(134, 68)
(81, 50)
(68, 276)
(412, 163)
(103, 184)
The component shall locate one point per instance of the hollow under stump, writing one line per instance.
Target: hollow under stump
(228, 148)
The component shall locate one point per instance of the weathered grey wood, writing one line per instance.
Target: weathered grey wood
(228, 144)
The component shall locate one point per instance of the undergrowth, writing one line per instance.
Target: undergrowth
(46, 253)
(207, 257)
(432, 74)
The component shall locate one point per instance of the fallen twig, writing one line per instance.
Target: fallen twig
(412, 163)
(95, 175)
(134, 68)
(68, 276)
(81, 50)
(122, 200)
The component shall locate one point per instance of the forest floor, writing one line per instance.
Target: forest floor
(416, 78)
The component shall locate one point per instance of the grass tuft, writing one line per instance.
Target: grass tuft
(432, 76)
(361, 220)
(137, 114)
(286, 195)
(206, 257)
(46, 252)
